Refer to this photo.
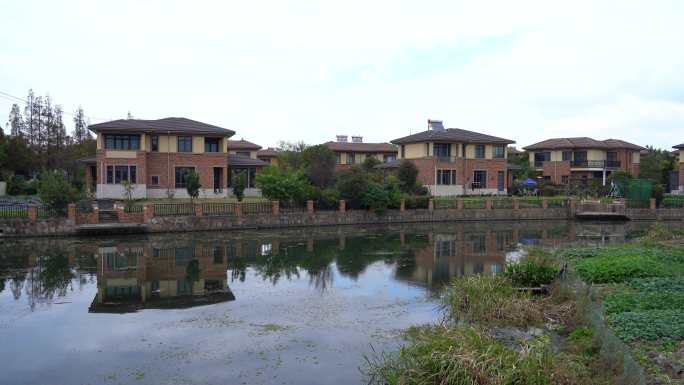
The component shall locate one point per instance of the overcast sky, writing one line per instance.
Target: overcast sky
(308, 70)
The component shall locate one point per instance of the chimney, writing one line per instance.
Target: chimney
(342, 138)
(357, 139)
(435, 125)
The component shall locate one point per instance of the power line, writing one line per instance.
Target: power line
(18, 99)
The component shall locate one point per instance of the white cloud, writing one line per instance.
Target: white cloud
(307, 70)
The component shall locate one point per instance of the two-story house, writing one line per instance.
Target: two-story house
(452, 161)
(154, 156)
(355, 152)
(268, 155)
(242, 158)
(680, 178)
(562, 160)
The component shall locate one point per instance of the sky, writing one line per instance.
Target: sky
(309, 70)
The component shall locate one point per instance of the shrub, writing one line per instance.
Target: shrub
(56, 191)
(19, 185)
(239, 185)
(192, 184)
(284, 185)
(329, 197)
(462, 355)
(376, 198)
(490, 300)
(535, 269)
(407, 174)
(352, 185)
(658, 284)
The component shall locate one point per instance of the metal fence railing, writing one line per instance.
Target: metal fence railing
(441, 204)
(474, 203)
(557, 203)
(502, 203)
(45, 211)
(172, 209)
(293, 207)
(257, 208)
(530, 203)
(419, 202)
(637, 203)
(14, 211)
(219, 209)
(133, 209)
(672, 202)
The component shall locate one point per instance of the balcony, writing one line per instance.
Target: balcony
(595, 164)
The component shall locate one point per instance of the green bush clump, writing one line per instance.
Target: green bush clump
(578, 253)
(621, 268)
(535, 269)
(658, 284)
(462, 356)
(620, 302)
(652, 325)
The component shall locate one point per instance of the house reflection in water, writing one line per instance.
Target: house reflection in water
(131, 277)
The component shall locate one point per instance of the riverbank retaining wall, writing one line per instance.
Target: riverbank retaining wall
(70, 225)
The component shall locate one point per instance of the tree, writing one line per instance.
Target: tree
(408, 176)
(376, 198)
(192, 273)
(656, 165)
(128, 188)
(283, 185)
(56, 191)
(81, 133)
(239, 185)
(16, 121)
(352, 185)
(290, 154)
(192, 184)
(369, 164)
(319, 164)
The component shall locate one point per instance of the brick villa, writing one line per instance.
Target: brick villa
(680, 175)
(561, 160)
(154, 156)
(356, 151)
(452, 161)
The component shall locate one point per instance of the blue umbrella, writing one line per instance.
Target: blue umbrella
(529, 182)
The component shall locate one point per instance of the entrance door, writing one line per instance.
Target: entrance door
(218, 174)
(479, 179)
(93, 179)
(500, 180)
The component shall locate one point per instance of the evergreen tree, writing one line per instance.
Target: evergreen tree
(16, 121)
(81, 132)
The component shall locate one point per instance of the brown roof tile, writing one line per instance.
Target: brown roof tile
(582, 142)
(361, 147)
(240, 160)
(679, 146)
(242, 145)
(267, 152)
(161, 126)
(452, 135)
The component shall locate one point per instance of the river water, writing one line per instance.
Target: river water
(303, 306)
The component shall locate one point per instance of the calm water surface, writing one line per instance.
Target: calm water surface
(259, 307)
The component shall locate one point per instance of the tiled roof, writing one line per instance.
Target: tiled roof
(242, 145)
(679, 146)
(161, 126)
(90, 159)
(267, 152)
(582, 142)
(240, 160)
(452, 135)
(361, 147)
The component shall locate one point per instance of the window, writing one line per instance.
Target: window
(446, 177)
(499, 152)
(403, 151)
(350, 158)
(181, 173)
(479, 179)
(479, 151)
(611, 156)
(338, 155)
(185, 144)
(119, 174)
(541, 157)
(445, 248)
(463, 150)
(122, 142)
(567, 155)
(388, 158)
(565, 179)
(154, 143)
(246, 154)
(211, 144)
(442, 150)
(249, 172)
(154, 180)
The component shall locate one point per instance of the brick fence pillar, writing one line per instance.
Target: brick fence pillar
(71, 212)
(402, 205)
(199, 210)
(96, 215)
(573, 205)
(488, 204)
(459, 204)
(32, 212)
(516, 204)
(431, 205)
(545, 203)
(238, 209)
(275, 207)
(148, 212)
(343, 206)
(310, 206)
(120, 213)
(652, 204)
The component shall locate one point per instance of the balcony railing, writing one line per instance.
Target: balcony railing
(595, 163)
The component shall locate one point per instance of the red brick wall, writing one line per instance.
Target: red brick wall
(464, 170)
(139, 161)
(681, 174)
(163, 165)
(556, 170)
